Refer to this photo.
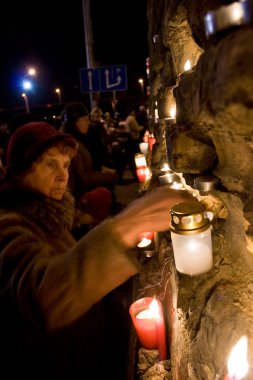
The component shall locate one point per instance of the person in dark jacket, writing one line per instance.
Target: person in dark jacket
(83, 176)
(53, 324)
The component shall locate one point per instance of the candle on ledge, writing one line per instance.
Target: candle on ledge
(148, 235)
(144, 243)
(151, 141)
(144, 174)
(165, 167)
(237, 361)
(147, 317)
(145, 137)
(144, 147)
(156, 113)
(140, 160)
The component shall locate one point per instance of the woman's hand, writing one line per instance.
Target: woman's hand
(149, 213)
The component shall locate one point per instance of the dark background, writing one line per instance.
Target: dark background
(49, 35)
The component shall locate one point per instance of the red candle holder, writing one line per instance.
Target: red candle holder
(142, 174)
(151, 142)
(148, 235)
(150, 329)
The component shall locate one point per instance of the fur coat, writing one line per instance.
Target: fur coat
(51, 321)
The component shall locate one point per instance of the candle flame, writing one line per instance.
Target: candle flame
(187, 65)
(237, 361)
(154, 308)
(176, 185)
(165, 168)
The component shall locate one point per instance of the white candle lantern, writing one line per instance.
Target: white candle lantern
(144, 147)
(140, 160)
(191, 238)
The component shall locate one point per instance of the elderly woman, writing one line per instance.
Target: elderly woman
(52, 323)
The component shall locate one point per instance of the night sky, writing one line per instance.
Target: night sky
(49, 35)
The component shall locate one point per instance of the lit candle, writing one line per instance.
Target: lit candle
(144, 174)
(141, 174)
(145, 239)
(237, 361)
(165, 167)
(147, 317)
(148, 235)
(168, 178)
(156, 113)
(151, 141)
(140, 160)
(145, 137)
(176, 185)
(144, 243)
(144, 147)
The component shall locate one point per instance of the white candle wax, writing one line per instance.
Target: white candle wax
(145, 314)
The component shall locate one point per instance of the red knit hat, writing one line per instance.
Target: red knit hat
(29, 142)
(97, 203)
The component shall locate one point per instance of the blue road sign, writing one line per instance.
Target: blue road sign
(105, 78)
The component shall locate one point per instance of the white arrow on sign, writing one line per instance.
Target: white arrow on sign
(107, 80)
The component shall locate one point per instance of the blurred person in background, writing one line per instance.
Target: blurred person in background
(83, 176)
(98, 141)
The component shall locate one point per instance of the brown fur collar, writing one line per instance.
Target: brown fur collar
(54, 216)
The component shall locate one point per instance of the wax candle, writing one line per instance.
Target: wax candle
(146, 136)
(144, 243)
(140, 160)
(147, 235)
(144, 147)
(165, 168)
(144, 174)
(147, 317)
(151, 142)
(141, 174)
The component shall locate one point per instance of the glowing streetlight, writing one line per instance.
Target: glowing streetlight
(58, 92)
(141, 82)
(31, 71)
(27, 85)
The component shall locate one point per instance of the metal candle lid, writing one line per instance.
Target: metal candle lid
(189, 218)
(206, 183)
(227, 16)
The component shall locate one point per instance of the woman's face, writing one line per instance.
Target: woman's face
(49, 174)
(82, 124)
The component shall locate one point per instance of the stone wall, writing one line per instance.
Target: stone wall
(206, 314)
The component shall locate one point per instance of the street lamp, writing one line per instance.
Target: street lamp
(58, 92)
(141, 82)
(31, 71)
(24, 95)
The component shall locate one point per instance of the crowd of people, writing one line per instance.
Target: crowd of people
(55, 278)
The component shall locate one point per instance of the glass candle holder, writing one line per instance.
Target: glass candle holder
(191, 238)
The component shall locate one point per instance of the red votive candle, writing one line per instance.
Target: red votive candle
(151, 142)
(149, 324)
(147, 235)
(141, 174)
